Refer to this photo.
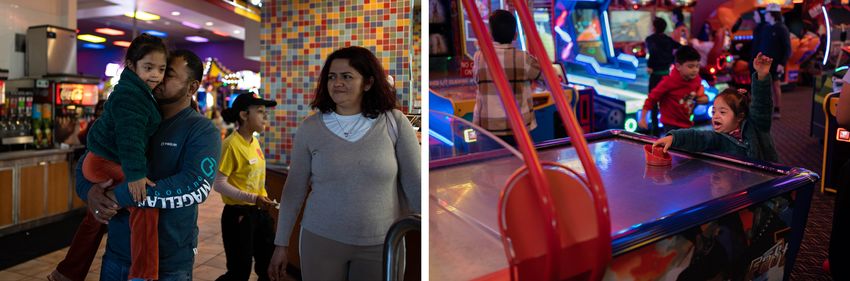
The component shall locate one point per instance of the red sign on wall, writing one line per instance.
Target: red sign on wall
(466, 68)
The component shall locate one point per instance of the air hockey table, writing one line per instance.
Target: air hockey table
(687, 221)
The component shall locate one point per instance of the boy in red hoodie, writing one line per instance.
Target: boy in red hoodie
(677, 94)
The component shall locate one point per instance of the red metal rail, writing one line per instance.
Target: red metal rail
(572, 126)
(524, 142)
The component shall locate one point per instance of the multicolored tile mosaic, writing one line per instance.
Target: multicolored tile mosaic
(295, 38)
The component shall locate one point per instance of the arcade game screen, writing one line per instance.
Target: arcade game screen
(589, 30)
(544, 27)
(440, 26)
(635, 26)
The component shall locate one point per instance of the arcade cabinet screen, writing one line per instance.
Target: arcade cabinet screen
(440, 28)
(630, 26)
(589, 30)
(635, 26)
(544, 28)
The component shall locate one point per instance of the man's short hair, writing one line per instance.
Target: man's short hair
(659, 24)
(686, 53)
(503, 26)
(193, 62)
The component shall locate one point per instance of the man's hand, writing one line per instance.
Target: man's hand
(277, 265)
(264, 203)
(762, 66)
(642, 124)
(664, 142)
(139, 188)
(101, 206)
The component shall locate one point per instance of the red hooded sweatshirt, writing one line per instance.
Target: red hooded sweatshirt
(676, 99)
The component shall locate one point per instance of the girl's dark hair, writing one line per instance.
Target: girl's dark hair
(379, 98)
(231, 115)
(141, 46)
(739, 103)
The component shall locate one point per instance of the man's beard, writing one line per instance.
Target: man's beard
(167, 101)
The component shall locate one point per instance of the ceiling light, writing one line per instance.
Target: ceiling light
(93, 46)
(209, 23)
(91, 38)
(197, 39)
(175, 13)
(143, 15)
(237, 31)
(156, 33)
(109, 31)
(219, 33)
(124, 44)
(191, 25)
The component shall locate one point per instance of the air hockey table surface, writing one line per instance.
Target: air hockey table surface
(646, 203)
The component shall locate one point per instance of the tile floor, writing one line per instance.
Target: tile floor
(209, 263)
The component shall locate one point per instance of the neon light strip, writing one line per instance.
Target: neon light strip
(628, 58)
(605, 70)
(841, 68)
(608, 34)
(440, 137)
(634, 101)
(828, 35)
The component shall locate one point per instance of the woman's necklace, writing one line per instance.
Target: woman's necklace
(346, 133)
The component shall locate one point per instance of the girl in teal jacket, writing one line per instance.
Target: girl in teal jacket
(741, 126)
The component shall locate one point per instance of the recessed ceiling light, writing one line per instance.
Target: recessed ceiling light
(109, 31)
(142, 15)
(192, 25)
(91, 38)
(175, 13)
(209, 23)
(124, 44)
(167, 23)
(196, 39)
(237, 31)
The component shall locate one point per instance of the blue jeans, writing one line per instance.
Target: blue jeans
(112, 269)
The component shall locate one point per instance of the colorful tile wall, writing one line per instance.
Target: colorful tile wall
(296, 37)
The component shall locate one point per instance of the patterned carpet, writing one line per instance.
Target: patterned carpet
(796, 148)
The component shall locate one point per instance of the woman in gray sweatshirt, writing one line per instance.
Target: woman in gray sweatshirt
(360, 157)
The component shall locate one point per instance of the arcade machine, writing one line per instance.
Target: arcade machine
(217, 86)
(836, 140)
(585, 46)
(452, 88)
(835, 59)
(675, 221)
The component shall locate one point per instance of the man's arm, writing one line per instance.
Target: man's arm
(97, 202)
(189, 186)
